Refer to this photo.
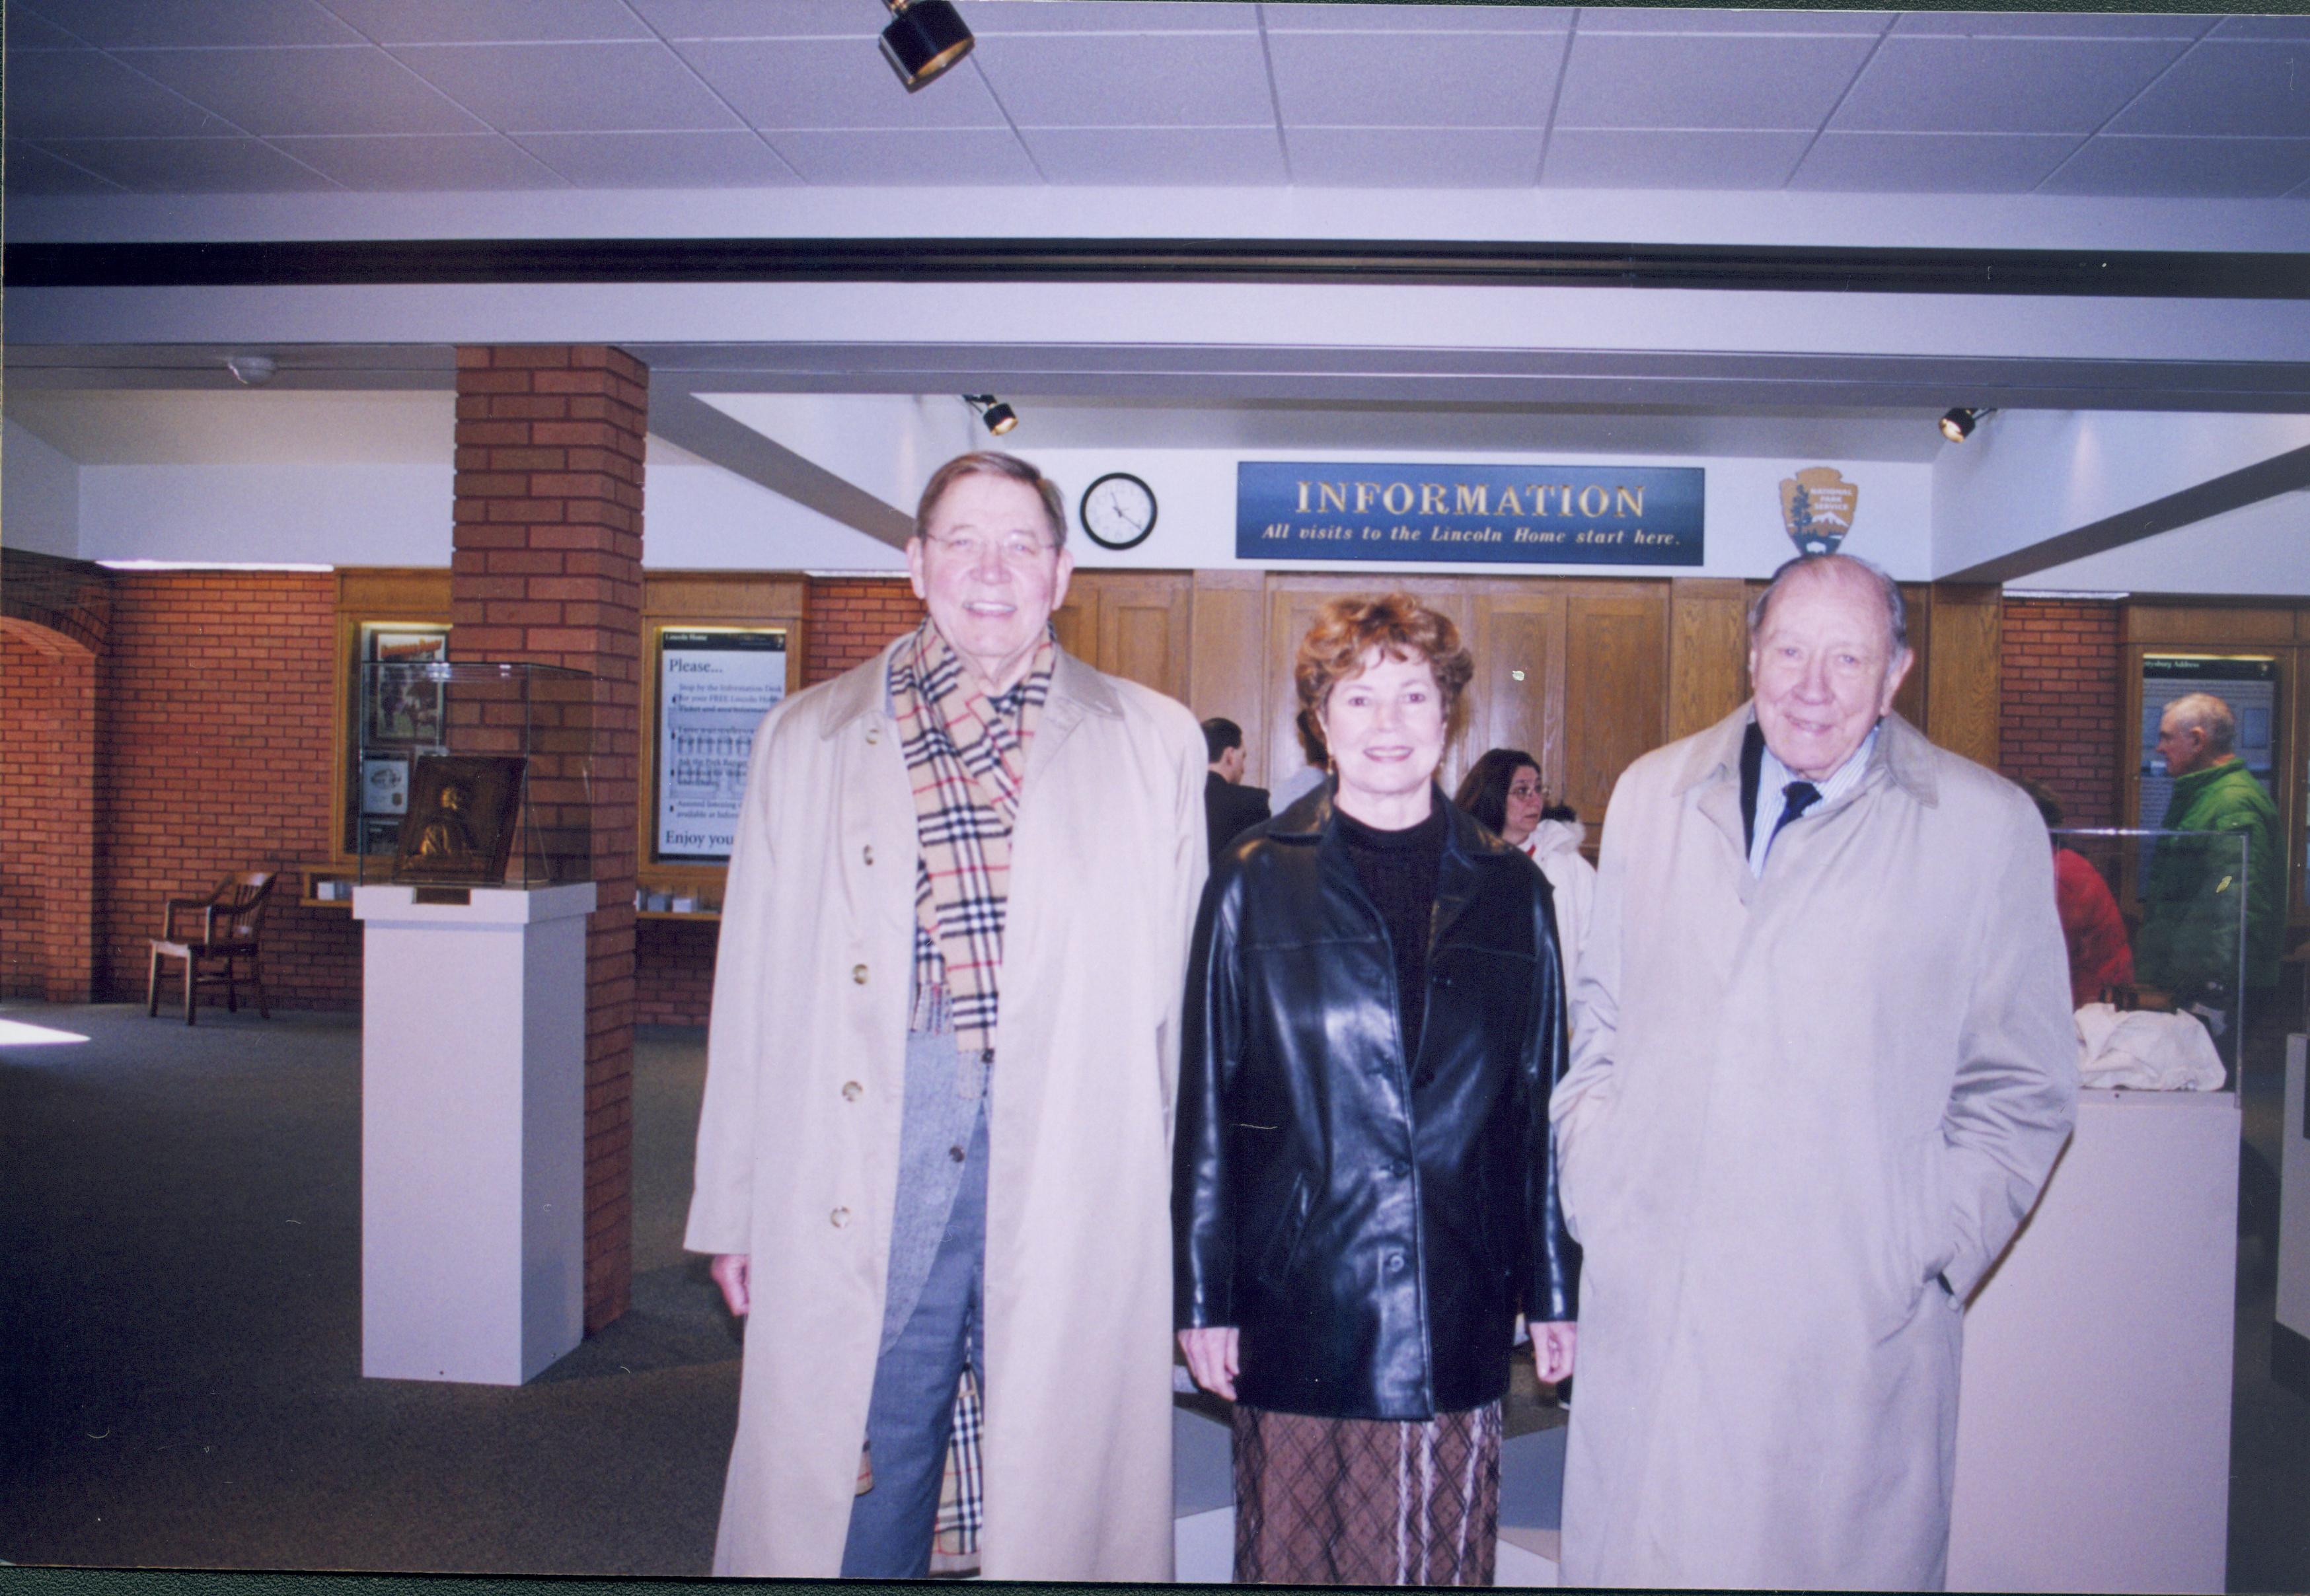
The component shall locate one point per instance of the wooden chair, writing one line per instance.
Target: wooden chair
(231, 917)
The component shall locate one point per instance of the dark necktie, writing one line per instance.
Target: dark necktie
(1796, 798)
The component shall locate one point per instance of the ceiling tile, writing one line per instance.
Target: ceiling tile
(662, 160)
(488, 21)
(835, 83)
(2001, 85)
(570, 88)
(1413, 158)
(989, 17)
(2049, 24)
(1681, 82)
(1186, 157)
(1130, 80)
(763, 19)
(1616, 159)
(958, 155)
(191, 166)
(2254, 88)
(2267, 27)
(33, 170)
(26, 32)
(1932, 162)
(1681, 19)
(124, 23)
(1410, 79)
(332, 90)
(1296, 18)
(84, 94)
(2187, 168)
(424, 164)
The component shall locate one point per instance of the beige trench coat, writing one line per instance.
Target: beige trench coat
(798, 1135)
(1804, 1116)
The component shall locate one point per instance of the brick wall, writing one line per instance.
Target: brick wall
(216, 754)
(2061, 672)
(47, 830)
(851, 618)
(546, 567)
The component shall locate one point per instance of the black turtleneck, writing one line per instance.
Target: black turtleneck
(1398, 871)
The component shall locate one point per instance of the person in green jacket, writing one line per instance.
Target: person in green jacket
(2189, 935)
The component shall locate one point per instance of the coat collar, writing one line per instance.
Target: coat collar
(1902, 753)
(1309, 822)
(1076, 690)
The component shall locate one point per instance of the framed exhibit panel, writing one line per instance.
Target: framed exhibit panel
(719, 651)
(386, 617)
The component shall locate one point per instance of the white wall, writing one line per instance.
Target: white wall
(887, 444)
(702, 517)
(345, 513)
(1195, 496)
(2028, 475)
(2261, 549)
(40, 495)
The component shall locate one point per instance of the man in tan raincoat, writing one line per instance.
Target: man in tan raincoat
(809, 1189)
(1823, 1061)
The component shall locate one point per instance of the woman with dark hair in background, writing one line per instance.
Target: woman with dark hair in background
(1503, 790)
(1364, 1197)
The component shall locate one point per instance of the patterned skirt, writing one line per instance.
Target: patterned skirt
(1366, 1502)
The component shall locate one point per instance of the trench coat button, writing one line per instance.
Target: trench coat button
(858, 974)
(1395, 1260)
(874, 734)
(851, 1091)
(1399, 1168)
(957, 1154)
(839, 1218)
(868, 850)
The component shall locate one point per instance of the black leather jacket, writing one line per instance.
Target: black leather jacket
(1370, 1223)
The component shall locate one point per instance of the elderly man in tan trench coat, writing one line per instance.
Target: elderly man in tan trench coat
(799, 1186)
(1811, 1099)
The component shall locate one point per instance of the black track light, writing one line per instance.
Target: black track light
(999, 417)
(1959, 424)
(924, 38)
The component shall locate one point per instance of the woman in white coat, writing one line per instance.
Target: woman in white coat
(1503, 790)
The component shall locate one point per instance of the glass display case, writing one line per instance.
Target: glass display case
(2184, 903)
(472, 773)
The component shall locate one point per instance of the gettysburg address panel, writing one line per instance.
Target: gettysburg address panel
(1499, 515)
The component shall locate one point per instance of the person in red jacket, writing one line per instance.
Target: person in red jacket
(2095, 930)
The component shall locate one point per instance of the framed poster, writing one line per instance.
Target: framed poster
(715, 684)
(384, 786)
(405, 705)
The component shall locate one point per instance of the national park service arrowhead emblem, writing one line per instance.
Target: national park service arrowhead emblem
(1817, 507)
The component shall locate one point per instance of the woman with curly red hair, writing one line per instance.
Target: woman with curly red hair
(1364, 1199)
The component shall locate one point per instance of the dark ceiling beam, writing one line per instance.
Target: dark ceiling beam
(1795, 268)
(685, 419)
(2281, 473)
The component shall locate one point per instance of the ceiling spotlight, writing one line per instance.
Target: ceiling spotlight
(924, 38)
(999, 417)
(251, 371)
(1959, 424)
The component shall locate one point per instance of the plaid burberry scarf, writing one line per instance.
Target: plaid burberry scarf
(966, 758)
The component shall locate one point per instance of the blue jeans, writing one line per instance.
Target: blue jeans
(912, 1408)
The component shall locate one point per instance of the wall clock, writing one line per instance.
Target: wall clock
(1118, 511)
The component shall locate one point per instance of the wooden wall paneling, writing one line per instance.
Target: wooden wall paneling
(1076, 621)
(1227, 663)
(1707, 652)
(1963, 695)
(2210, 628)
(1518, 689)
(1145, 624)
(1615, 662)
(1914, 702)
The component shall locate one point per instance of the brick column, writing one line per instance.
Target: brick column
(547, 568)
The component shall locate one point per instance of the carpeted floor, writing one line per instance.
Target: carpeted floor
(179, 1335)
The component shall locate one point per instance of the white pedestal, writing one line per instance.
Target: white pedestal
(2093, 1440)
(473, 1131)
(2289, 1350)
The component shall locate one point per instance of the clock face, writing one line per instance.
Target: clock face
(1118, 510)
